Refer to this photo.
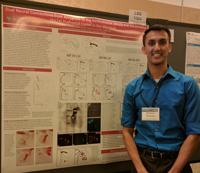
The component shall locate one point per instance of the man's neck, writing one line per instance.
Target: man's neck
(157, 72)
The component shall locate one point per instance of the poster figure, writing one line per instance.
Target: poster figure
(69, 43)
(66, 157)
(24, 157)
(72, 117)
(82, 156)
(25, 139)
(43, 155)
(43, 86)
(44, 137)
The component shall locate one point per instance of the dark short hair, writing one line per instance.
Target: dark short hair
(156, 27)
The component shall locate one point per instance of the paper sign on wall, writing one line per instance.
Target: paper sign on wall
(137, 17)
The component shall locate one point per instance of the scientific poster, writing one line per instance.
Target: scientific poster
(192, 65)
(63, 80)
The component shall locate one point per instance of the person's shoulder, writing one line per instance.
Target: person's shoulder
(183, 77)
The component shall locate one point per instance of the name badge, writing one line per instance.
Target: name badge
(150, 114)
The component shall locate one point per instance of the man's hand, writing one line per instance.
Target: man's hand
(132, 149)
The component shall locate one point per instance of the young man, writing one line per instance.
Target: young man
(164, 106)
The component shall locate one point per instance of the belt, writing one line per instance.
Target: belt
(158, 155)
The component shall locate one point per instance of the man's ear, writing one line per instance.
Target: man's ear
(143, 50)
(170, 48)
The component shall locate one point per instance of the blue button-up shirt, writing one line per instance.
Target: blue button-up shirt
(179, 102)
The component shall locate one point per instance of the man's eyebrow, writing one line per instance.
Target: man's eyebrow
(151, 40)
(162, 39)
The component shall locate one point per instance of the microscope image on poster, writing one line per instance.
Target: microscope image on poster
(64, 140)
(94, 110)
(25, 157)
(80, 138)
(44, 137)
(94, 138)
(94, 125)
(25, 139)
(43, 155)
(72, 117)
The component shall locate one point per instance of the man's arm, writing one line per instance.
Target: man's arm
(132, 150)
(186, 151)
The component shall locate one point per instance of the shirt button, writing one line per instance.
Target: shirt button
(156, 130)
(156, 101)
(157, 142)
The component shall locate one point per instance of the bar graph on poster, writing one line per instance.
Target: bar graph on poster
(63, 81)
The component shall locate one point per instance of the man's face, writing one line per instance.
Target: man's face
(157, 47)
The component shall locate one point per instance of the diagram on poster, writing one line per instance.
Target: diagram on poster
(83, 156)
(99, 66)
(66, 157)
(70, 43)
(73, 86)
(66, 64)
(42, 87)
(93, 46)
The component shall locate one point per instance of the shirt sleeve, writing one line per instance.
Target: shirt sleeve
(129, 113)
(192, 108)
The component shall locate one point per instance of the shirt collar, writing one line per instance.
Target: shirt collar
(170, 72)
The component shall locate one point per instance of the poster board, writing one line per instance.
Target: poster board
(63, 79)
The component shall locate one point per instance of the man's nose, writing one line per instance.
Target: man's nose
(157, 46)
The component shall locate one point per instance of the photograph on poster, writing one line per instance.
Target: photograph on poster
(72, 117)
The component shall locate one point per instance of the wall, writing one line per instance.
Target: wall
(190, 13)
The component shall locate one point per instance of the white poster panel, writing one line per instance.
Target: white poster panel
(192, 65)
(63, 80)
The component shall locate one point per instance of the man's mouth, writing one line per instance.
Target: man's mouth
(157, 54)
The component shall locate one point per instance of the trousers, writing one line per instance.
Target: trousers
(155, 165)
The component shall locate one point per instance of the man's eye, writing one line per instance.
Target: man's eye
(163, 42)
(151, 43)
